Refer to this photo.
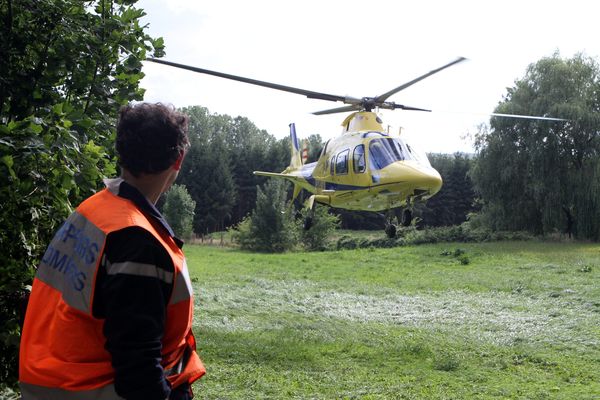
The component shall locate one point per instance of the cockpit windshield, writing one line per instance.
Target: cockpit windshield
(418, 155)
(384, 151)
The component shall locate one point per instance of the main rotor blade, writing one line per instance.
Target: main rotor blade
(527, 117)
(384, 96)
(504, 115)
(409, 108)
(308, 93)
(338, 110)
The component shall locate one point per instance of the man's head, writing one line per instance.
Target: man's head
(151, 138)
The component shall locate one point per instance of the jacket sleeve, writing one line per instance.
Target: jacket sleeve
(132, 293)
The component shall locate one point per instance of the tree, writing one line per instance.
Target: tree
(253, 149)
(218, 170)
(178, 210)
(457, 197)
(536, 175)
(207, 170)
(315, 146)
(65, 68)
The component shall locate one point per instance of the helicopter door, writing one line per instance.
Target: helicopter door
(359, 167)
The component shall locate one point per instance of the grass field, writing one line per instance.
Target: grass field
(505, 320)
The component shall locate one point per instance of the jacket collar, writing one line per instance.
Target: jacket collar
(121, 188)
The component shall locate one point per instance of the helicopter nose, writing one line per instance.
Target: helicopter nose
(425, 180)
(431, 180)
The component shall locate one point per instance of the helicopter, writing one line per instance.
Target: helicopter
(366, 167)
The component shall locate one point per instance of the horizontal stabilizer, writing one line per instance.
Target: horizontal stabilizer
(292, 178)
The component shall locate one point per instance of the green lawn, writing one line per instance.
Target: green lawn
(505, 320)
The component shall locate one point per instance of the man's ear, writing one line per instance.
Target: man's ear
(178, 162)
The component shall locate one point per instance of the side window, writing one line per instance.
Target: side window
(358, 160)
(331, 165)
(341, 163)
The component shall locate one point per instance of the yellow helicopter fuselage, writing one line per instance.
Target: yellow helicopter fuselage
(365, 168)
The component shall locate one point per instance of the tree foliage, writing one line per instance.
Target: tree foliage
(218, 170)
(206, 171)
(452, 204)
(315, 146)
(178, 210)
(324, 224)
(537, 175)
(271, 227)
(65, 68)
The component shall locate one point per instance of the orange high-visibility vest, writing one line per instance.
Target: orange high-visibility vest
(62, 345)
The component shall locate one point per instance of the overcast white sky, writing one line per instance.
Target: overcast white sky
(360, 48)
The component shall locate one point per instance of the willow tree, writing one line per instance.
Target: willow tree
(541, 175)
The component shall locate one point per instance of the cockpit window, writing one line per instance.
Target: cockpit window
(383, 152)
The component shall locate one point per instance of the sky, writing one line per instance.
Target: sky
(359, 48)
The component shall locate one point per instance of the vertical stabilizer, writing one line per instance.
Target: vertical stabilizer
(296, 161)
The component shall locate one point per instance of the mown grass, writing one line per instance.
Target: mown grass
(520, 320)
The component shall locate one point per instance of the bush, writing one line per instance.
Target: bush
(411, 236)
(323, 226)
(179, 211)
(270, 228)
(346, 243)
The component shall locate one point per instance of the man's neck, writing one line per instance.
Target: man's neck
(150, 185)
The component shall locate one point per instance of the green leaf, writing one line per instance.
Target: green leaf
(9, 162)
(35, 128)
(158, 43)
(58, 109)
(85, 123)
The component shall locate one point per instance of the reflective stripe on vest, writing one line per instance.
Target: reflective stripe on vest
(35, 392)
(139, 269)
(183, 286)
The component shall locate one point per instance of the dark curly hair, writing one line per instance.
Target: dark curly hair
(150, 137)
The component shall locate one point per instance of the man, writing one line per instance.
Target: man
(110, 312)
